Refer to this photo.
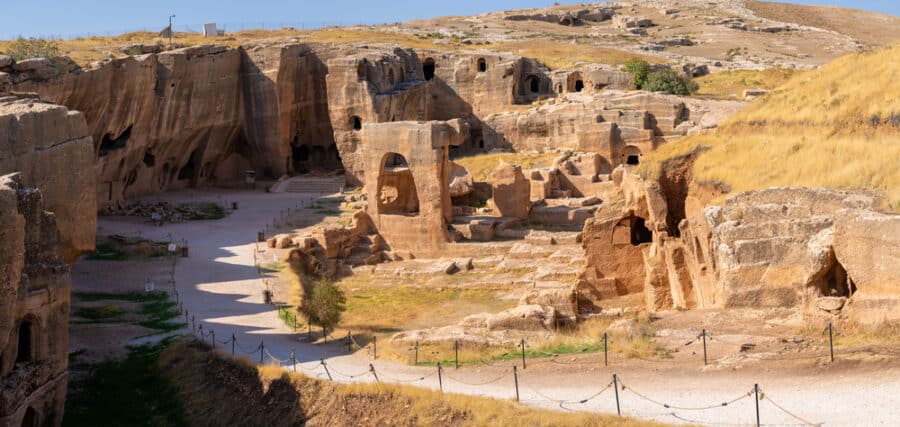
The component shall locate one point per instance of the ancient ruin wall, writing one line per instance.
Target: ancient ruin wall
(35, 286)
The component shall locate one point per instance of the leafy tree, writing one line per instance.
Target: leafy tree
(638, 68)
(31, 47)
(325, 305)
(670, 82)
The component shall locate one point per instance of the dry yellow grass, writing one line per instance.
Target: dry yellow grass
(482, 165)
(556, 54)
(731, 84)
(832, 127)
(211, 383)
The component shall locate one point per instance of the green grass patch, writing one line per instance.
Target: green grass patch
(130, 392)
(104, 312)
(127, 296)
(290, 317)
(207, 211)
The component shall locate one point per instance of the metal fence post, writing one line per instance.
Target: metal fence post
(704, 346)
(417, 353)
(831, 340)
(456, 351)
(756, 392)
(440, 378)
(605, 350)
(326, 370)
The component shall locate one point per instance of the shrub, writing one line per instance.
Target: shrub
(31, 47)
(670, 82)
(326, 304)
(640, 69)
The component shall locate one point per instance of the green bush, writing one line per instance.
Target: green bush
(670, 82)
(31, 47)
(640, 69)
(326, 304)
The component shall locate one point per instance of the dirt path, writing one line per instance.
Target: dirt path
(219, 285)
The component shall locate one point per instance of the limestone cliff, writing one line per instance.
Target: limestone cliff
(51, 149)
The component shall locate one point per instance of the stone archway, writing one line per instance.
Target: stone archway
(396, 192)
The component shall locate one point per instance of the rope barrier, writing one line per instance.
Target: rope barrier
(683, 408)
(366, 372)
(563, 401)
(764, 396)
(503, 375)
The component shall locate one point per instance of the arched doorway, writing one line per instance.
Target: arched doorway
(533, 83)
(25, 351)
(428, 68)
(397, 193)
(482, 65)
(631, 155)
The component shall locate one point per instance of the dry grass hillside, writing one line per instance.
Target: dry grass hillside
(221, 390)
(867, 27)
(838, 127)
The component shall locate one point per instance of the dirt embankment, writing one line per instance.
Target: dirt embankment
(217, 390)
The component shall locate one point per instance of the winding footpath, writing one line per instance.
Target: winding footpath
(220, 287)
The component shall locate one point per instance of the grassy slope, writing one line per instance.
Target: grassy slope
(830, 127)
(229, 390)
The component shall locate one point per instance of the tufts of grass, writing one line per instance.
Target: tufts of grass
(107, 252)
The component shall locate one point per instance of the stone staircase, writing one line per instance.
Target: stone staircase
(309, 185)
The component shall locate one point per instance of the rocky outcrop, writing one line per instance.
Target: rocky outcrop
(817, 250)
(34, 308)
(51, 149)
(619, 126)
(201, 114)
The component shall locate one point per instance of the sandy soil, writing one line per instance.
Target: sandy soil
(219, 285)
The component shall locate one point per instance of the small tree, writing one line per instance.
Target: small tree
(31, 47)
(325, 304)
(670, 82)
(638, 68)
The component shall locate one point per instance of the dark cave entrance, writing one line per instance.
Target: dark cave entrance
(639, 232)
(25, 353)
(579, 85)
(428, 68)
(108, 143)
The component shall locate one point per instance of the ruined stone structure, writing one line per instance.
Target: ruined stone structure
(47, 218)
(818, 250)
(407, 175)
(34, 309)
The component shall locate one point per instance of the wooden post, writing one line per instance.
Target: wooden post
(374, 347)
(456, 350)
(232, 344)
(516, 379)
(831, 340)
(523, 353)
(756, 392)
(704, 346)
(616, 388)
(605, 349)
(326, 370)
(372, 369)
(440, 379)
(262, 347)
(417, 353)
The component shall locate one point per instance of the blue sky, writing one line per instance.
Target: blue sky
(71, 18)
